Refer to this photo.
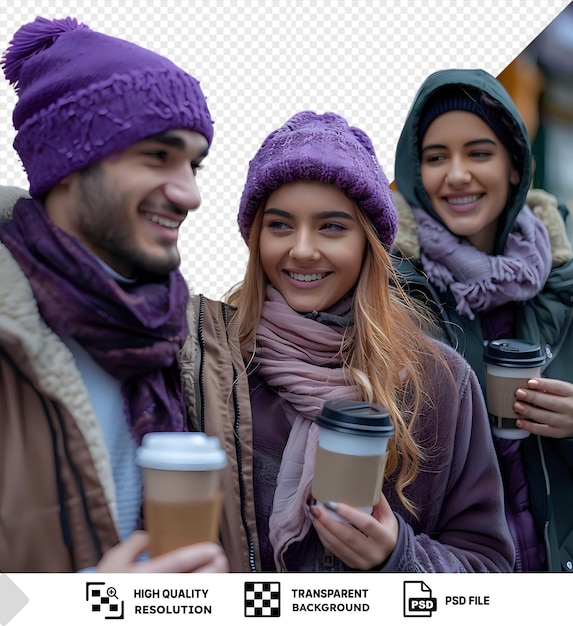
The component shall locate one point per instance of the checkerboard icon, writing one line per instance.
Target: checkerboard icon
(262, 599)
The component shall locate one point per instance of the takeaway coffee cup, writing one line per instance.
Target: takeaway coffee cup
(510, 363)
(351, 453)
(182, 491)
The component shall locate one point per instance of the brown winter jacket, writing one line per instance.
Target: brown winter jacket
(217, 397)
(57, 494)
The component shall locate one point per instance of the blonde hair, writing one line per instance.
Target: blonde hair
(385, 351)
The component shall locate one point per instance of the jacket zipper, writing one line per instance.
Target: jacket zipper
(240, 469)
(201, 339)
(239, 455)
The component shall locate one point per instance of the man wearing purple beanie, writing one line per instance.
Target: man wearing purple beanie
(99, 341)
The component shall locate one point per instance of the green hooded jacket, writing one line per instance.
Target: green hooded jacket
(408, 167)
(545, 319)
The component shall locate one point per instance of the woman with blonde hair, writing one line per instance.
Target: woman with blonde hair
(321, 317)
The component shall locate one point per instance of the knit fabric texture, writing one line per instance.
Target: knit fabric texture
(310, 146)
(84, 96)
(464, 98)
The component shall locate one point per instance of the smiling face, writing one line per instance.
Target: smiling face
(311, 244)
(127, 209)
(466, 172)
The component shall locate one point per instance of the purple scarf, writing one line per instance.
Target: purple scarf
(134, 332)
(300, 358)
(479, 281)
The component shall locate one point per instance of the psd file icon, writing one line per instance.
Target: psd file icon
(418, 600)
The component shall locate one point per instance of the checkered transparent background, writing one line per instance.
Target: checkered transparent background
(260, 62)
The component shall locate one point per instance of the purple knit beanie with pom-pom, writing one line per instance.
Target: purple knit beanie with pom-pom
(325, 148)
(84, 96)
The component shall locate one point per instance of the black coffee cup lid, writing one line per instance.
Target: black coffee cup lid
(513, 353)
(357, 417)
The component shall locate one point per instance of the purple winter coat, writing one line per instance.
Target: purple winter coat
(461, 525)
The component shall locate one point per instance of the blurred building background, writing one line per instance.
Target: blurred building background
(540, 81)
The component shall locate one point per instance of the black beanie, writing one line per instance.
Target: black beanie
(465, 98)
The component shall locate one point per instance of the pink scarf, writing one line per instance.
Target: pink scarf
(481, 282)
(301, 359)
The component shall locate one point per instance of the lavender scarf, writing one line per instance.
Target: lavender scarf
(478, 281)
(134, 332)
(301, 359)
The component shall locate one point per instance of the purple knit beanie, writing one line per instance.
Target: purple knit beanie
(84, 95)
(324, 148)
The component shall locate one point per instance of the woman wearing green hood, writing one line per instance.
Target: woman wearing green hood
(492, 259)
